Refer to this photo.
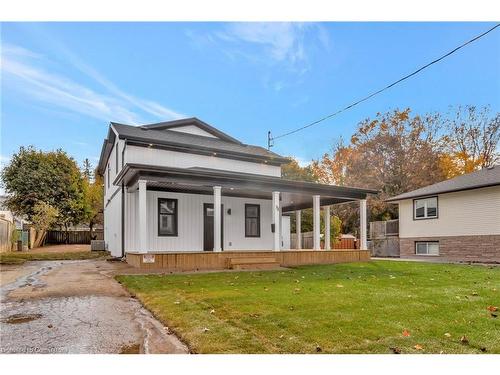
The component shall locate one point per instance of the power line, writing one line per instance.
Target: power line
(271, 139)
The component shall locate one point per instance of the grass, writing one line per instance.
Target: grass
(343, 308)
(21, 257)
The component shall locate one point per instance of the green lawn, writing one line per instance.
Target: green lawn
(343, 308)
(21, 257)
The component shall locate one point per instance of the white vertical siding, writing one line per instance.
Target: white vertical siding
(167, 158)
(112, 225)
(112, 201)
(131, 221)
(464, 213)
(108, 192)
(190, 223)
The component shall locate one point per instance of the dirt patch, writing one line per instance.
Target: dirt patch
(131, 349)
(21, 318)
(61, 249)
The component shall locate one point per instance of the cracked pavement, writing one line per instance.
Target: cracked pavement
(76, 307)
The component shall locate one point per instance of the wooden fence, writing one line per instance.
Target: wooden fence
(6, 228)
(383, 229)
(307, 242)
(73, 236)
(384, 238)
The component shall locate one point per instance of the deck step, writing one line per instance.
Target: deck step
(248, 263)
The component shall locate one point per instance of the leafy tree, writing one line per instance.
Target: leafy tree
(335, 228)
(44, 216)
(394, 153)
(53, 177)
(93, 197)
(293, 171)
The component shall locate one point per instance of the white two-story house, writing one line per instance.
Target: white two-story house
(183, 186)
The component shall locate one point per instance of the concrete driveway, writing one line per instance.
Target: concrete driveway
(76, 307)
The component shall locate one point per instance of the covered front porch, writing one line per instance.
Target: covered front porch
(197, 218)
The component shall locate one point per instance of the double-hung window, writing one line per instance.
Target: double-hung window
(426, 208)
(427, 248)
(167, 217)
(252, 220)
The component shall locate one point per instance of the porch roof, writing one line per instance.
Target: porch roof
(295, 194)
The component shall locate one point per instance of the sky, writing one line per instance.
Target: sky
(62, 83)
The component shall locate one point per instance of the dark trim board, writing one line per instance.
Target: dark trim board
(323, 202)
(131, 173)
(188, 149)
(208, 193)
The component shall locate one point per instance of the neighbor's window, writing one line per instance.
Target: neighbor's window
(252, 220)
(167, 217)
(427, 248)
(425, 208)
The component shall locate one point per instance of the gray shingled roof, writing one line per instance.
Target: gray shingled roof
(482, 178)
(172, 137)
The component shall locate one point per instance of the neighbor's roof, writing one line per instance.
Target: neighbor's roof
(160, 134)
(475, 180)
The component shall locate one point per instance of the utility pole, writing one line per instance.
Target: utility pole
(270, 142)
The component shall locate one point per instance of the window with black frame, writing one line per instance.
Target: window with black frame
(252, 220)
(167, 217)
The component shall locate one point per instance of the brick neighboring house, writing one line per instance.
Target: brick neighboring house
(457, 219)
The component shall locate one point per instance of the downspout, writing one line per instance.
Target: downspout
(123, 203)
(123, 220)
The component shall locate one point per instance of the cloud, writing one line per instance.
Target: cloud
(279, 42)
(23, 70)
(282, 41)
(286, 49)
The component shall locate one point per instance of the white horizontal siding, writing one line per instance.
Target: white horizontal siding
(190, 223)
(167, 158)
(465, 213)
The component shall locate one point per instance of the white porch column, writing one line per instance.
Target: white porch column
(217, 218)
(143, 217)
(362, 224)
(298, 229)
(316, 231)
(327, 227)
(276, 221)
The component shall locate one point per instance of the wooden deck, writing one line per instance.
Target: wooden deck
(210, 261)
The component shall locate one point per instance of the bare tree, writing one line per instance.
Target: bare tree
(471, 141)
